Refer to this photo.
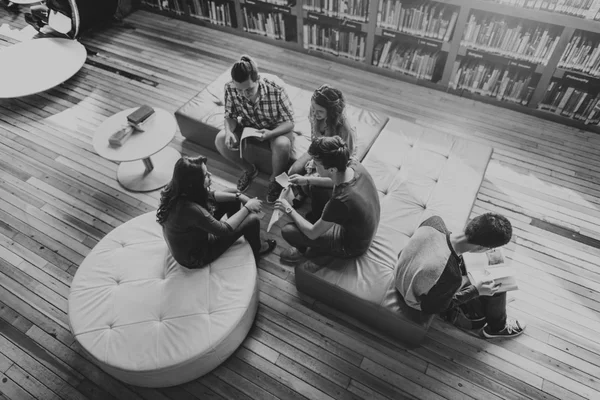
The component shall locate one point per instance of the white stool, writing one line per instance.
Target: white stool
(148, 321)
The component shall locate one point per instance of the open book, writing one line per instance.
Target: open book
(501, 275)
(247, 133)
(287, 194)
(491, 265)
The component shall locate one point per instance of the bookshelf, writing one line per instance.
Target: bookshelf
(541, 57)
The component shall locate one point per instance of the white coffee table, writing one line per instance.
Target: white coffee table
(37, 65)
(146, 160)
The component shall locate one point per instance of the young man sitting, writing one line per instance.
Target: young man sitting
(350, 218)
(431, 273)
(261, 104)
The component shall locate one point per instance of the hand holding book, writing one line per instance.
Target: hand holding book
(489, 273)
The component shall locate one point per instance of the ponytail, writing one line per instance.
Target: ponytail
(244, 69)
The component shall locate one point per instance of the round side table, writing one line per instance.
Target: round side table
(146, 161)
(37, 65)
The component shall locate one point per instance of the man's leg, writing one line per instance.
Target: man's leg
(281, 148)
(498, 325)
(324, 244)
(233, 156)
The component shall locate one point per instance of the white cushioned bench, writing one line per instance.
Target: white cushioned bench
(418, 173)
(148, 321)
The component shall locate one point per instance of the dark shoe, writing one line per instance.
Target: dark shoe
(273, 191)
(246, 179)
(511, 329)
(291, 255)
(271, 244)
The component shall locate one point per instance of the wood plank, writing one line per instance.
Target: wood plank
(59, 198)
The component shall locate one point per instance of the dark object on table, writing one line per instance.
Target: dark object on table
(140, 115)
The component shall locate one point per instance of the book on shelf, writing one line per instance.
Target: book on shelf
(406, 58)
(511, 37)
(214, 12)
(582, 54)
(270, 24)
(577, 103)
(587, 9)
(427, 19)
(499, 81)
(357, 10)
(334, 41)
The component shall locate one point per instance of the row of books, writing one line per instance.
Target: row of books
(357, 10)
(276, 2)
(499, 81)
(269, 24)
(427, 19)
(176, 6)
(512, 38)
(582, 54)
(217, 13)
(568, 101)
(334, 41)
(407, 59)
(587, 9)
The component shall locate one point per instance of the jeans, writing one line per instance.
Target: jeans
(249, 228)
(329, 243)
(492, 307)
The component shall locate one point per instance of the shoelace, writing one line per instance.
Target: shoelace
(512, 326)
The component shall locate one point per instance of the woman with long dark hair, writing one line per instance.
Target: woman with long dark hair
(190, 215)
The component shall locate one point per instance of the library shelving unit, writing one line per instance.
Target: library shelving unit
(541, 57)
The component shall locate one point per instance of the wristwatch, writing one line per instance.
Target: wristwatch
(288, 210)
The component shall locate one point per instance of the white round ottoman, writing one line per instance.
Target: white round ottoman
(148, 321)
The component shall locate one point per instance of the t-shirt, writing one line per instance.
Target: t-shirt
(189, 229)
(354, 208)
(429, 272)
(272, 107)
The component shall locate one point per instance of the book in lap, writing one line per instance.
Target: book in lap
(248, 133)
(491, 265)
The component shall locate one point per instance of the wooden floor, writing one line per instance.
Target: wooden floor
(58, 198)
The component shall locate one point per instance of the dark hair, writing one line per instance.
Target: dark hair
(332, 100)
(244, 69)
(331, 151)
(188, 181)
(489, 230)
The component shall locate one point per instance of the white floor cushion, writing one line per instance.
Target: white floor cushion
(148, 321)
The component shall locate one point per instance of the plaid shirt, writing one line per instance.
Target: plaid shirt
(272, 108)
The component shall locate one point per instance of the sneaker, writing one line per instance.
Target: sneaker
(511, 329)
(273, 191)
(291, 255)
(246, 179)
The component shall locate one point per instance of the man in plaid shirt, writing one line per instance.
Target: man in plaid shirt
(263, 104)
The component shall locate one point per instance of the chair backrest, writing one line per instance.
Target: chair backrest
(84, 14)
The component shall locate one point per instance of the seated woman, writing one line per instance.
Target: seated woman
(190, 214)
(327, 118)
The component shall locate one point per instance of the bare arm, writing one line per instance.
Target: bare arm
(281, 129)
(312, 231)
